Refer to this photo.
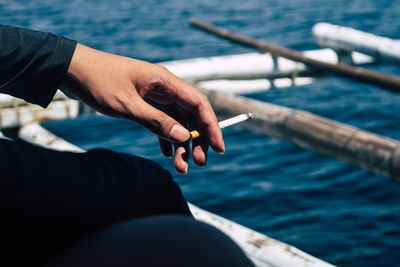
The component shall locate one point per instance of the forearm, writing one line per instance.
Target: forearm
(32, 64)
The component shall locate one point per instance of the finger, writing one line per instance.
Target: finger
(199, 152)
(191, 99)
(199, 147)
(181, 158)
(166, 147)
(158, 122)
(209, 125)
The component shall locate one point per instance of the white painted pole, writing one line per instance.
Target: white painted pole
(344, 38)
(36, 134)
(253, 85)
(251, 66)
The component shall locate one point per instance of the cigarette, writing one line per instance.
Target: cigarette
(226, 123)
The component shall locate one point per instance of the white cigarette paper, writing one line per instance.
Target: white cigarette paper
(226, 123)
(234, 120)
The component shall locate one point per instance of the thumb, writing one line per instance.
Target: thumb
(159, 123)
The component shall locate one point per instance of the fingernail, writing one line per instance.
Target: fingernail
(179, 133)
(184, 172)
(223, 150)
(201, 166)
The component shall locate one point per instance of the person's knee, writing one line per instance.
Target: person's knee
(158, 241)
(162, 193)
(181, 241)
(147, 187)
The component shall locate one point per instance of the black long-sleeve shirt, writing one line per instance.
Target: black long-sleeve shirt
(32, 63)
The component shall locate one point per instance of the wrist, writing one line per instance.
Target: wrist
(75, 67)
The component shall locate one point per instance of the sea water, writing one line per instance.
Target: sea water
(340, 213)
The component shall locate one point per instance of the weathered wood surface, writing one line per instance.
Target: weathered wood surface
(356, 73)
(350, 144)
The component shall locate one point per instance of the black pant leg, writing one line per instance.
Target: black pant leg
(155, 241)
(50, 199)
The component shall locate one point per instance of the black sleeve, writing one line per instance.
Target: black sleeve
(33, 64)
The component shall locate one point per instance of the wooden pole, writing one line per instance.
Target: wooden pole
(352, 145)
(356, 73)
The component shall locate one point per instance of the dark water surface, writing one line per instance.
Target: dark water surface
(340, 213)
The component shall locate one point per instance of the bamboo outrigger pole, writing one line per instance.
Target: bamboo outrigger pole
(370, 151)
(356, 73)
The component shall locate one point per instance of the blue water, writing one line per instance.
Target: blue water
(340, 213)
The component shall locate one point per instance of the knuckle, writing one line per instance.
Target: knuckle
(163, 71)
(204, 102)
(163, 68)
(203, 98)
(157, 122)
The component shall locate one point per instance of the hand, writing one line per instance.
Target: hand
(147, 94)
